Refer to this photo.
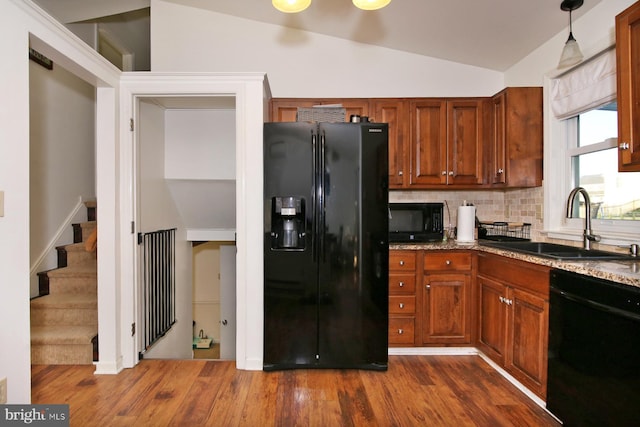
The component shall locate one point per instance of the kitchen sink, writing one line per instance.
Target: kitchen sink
(559, 252)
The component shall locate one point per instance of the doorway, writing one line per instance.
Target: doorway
(214, 300)
(185, 180)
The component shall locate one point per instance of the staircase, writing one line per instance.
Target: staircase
(64, 318)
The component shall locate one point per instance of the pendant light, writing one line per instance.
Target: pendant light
(371, 4)
(291, 6)
(571, 53)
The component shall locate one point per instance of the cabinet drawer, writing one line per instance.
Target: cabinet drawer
(402, 261)
(401, 330)
(516, 273)
(402, 304)
(402, 283)
(447, 261)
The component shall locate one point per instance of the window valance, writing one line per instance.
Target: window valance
(586, 87)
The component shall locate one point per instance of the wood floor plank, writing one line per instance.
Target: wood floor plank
(416, 390)
(232, 398)
(198, 403)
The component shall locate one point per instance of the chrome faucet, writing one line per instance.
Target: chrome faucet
(588, 235)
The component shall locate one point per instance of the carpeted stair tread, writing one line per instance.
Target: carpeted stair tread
(51, 334)
(75, 247)
(81, 300)
(87, 268)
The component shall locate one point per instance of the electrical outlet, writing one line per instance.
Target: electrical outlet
(3, 391)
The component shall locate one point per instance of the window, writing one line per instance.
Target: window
(593, 156)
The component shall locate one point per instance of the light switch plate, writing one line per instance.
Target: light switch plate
(1, 203)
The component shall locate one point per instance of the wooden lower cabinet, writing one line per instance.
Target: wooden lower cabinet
(430, 302)
(446, 298)
(513, 316)
(402, 297)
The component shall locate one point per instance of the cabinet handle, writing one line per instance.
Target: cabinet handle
(509, 302)
(502, 299)
(450, 173)
(400, 173)
(448, 262)
(401, 284)
(401, 262)
(500, 171)
(427, 286)
(401, 305)
(624, 146)
(444, 172)
(400, 332)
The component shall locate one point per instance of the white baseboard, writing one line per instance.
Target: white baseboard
(108, 368)
(432, 351)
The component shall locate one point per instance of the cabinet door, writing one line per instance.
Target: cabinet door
(516, 137)
(464, 160)
(446, 313)
(394, 112)
(352, 106)
(498, 141)
(628, 73)
(492, 320)
(428, 152)
(527, 358)
(286, 109)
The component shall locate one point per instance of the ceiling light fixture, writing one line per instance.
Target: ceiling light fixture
(571, 54)
(291, 6)
(371, 4)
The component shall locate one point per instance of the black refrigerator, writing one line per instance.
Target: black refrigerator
(326, 251)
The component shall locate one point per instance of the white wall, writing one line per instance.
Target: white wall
(62, 160)
(200, 165)
(157, 211)
(200, 144)
(303, 64)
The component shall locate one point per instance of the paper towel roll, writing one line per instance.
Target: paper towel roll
(466, 223)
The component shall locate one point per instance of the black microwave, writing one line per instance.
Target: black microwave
(415, 222)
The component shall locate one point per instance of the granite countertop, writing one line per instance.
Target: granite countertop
(627, 272)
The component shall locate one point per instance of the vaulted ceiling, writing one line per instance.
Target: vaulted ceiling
(492, 34)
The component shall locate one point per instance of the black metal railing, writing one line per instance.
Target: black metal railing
(158, 284)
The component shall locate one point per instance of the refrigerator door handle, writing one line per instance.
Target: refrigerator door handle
(321, 196)
(314, 201)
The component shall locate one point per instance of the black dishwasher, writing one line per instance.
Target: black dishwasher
(594, 351)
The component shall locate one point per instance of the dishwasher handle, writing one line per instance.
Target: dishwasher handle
(594, 304)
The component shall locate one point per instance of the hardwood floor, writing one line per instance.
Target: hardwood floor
(415, 391)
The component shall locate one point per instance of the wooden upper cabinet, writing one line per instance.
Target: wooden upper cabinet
(464, 142)
(285, 109)
(428, 145)
(446, 142)
(628, 73)
(498, 139)
(515, 138)
(394, 112)
(353, 106)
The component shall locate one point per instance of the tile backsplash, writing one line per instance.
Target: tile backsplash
(522, 205)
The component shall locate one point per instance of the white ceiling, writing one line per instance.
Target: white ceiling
(493, 34)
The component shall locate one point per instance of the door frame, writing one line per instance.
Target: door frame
(251, 92)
